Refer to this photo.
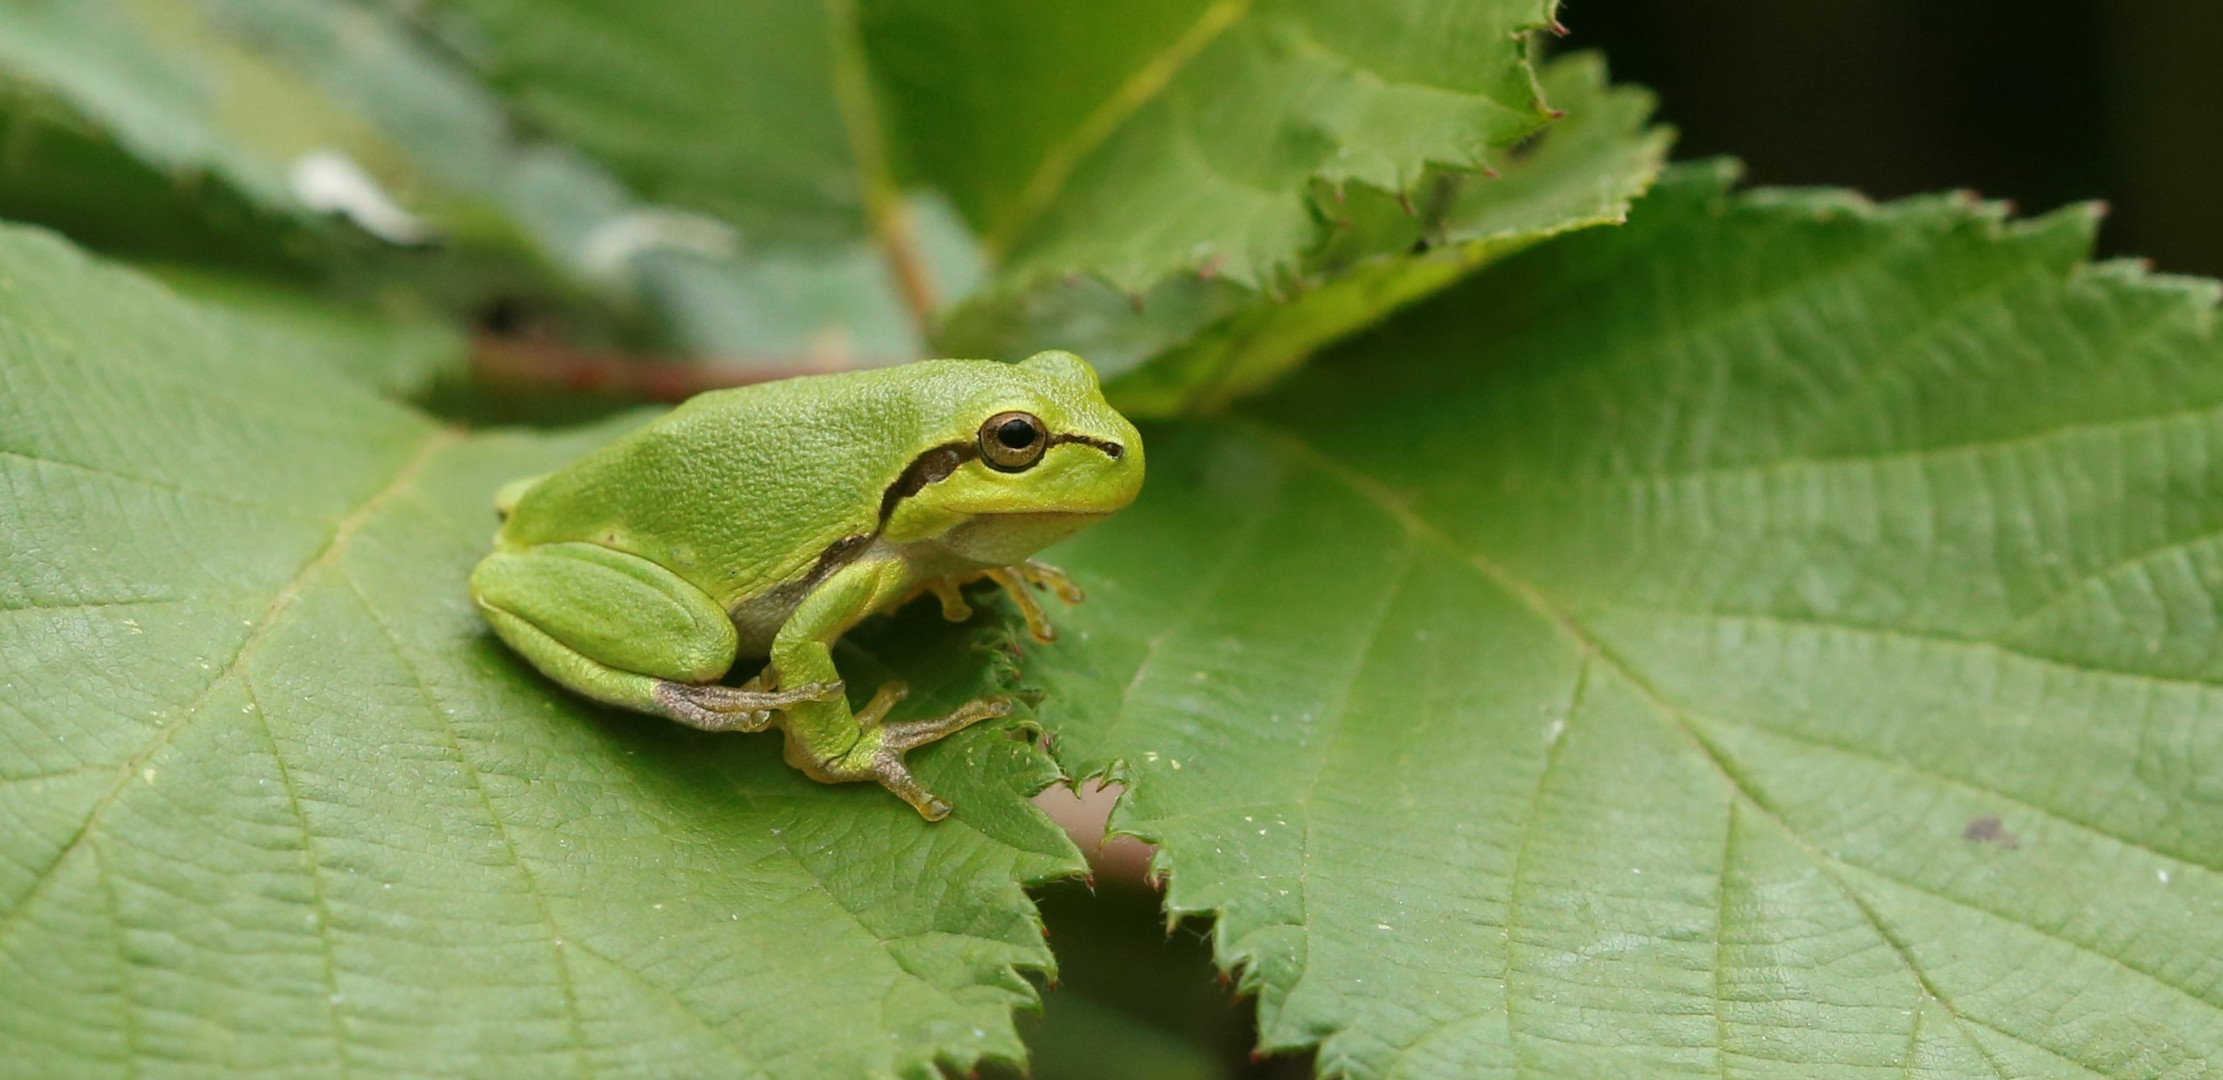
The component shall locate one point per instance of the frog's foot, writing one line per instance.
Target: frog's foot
(1015, 579)
(1042, 575)
(713, 707)
(884, 744)
(896, 738)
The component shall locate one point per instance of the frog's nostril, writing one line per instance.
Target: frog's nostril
(1114, 450)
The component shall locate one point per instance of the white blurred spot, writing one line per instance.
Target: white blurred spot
(611, 246)
(330, 182)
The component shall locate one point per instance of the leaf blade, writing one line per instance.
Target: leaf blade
(1708, 727)
(289, 808)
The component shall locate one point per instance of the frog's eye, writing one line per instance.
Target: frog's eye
(1012, 441)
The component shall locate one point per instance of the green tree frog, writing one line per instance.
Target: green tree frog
(765, 521)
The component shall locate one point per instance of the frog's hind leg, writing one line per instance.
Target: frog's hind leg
(627, 632)
(878, 753)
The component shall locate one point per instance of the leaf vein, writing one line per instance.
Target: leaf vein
(1967, 785)
(311, 864)
(150, 482)
(501, 826)
(1238, 548)
(127, 1014)
(1145, 84)
(2069, 591)
(1915, 455)
(1922, 637)
(1543, 606)
(1513, 1034)
(341, 534)
(94, 605)
(1338, 726)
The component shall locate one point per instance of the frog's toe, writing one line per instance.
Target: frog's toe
(1061, 584)
(888, 768)
(821, 691)
(905, 735)
(888, 697)
(714, 707)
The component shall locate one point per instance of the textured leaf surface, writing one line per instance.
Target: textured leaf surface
(276, 804)
(1132, 140)
(1774, 638)
(1197, 341)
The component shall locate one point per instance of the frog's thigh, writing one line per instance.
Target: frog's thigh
(602, 622)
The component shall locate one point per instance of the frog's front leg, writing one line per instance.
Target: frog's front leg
(627, 632)
(1013, 580)
(827, 741)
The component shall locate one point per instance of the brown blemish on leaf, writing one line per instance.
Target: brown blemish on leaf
(1989, 830)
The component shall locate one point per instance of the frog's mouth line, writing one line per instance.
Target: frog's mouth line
(1111, 449)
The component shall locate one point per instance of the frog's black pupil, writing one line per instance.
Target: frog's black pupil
(1016, 434)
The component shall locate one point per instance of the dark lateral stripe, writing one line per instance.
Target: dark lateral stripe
(837, 555)
(927, 468)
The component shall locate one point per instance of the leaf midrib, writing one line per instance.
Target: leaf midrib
(432, 706)
(1143, 86)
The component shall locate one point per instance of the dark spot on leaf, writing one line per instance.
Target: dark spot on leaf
(1989, 830)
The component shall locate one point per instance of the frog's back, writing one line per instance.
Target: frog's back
(738, 490)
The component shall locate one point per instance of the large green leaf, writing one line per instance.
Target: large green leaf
(1197, 341)
(1776, 637)
(277, 804)
(1129, 141)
